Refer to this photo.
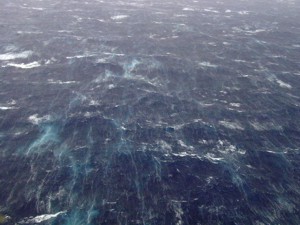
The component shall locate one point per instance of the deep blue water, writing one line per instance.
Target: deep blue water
(150, 112)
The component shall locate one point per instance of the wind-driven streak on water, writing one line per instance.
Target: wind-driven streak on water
(149, 112)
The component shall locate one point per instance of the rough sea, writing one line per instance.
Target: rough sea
(149, 112)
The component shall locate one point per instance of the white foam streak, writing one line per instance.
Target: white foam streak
(185, 154)
(188, 9)
(255, 31)
(283, 84)
(265, 126)
(243, 12)
(25, 66)
(237, 105)
(207, 64)
(80, 56)
(119, 17)
(211, 157)
(11, 55)
(211, 10)
(231, 125)
(35, 119)
(51, 81)
(7, 107)
(41, 218)
(182, 144)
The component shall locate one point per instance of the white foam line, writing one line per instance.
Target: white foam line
(231, 125)
(283, 84)
(25, 66)
(207, 64)
(7, 107)
(35, 119)
(51, 81)
(119, 17)
(41, 218)
(188, 9)
(12, 55)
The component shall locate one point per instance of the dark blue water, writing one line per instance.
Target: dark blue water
(149, 112)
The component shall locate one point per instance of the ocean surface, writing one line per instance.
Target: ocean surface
(150, 112)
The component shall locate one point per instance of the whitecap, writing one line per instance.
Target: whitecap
(80, 56)
(87, 114)
(203, 142)
(226, 147)
(94, 102)
(209, 179)
(9, 105)
(51, 81)
(64, 31)
(12, 102)
(182, 144)
(12, 55)
(240, 61)
(119, 17)
(211, 10)
(283, 84)
(40, 218)
(25, 65)
(35, 119)
(111, 86)
(243, 12)
(264, 126)
(29, 32)
(164, 145)
(36, 8)
(231, 125)
(255, 31)
(7, 108)
(188, 9)
(207, 64)
(273, 152)
(185, 154)
(33, 8)
(50, 61)
(113, 54)
(235, 104)
(211, 157)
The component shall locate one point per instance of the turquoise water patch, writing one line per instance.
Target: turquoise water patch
(49, 135)
(78, 217)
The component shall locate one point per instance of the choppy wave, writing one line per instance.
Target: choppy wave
(149, 112)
